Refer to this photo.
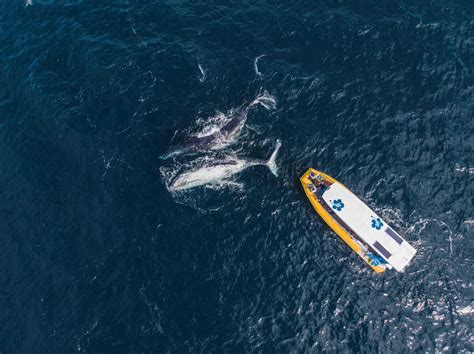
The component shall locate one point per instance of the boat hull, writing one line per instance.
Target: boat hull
(334, 224)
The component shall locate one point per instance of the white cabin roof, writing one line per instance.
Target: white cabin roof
(369, 226)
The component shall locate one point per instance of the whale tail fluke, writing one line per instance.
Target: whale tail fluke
(271, 163)
(265, 99)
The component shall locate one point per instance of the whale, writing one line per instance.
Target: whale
(219, 171)
(224, 135)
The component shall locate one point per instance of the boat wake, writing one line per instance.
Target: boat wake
(420, 226)
(442, 229)
(469, 170)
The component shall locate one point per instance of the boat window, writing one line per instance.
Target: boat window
(382, 249)
(393, 235)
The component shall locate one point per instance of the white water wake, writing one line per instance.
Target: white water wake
(203, 73)
(420, 226)
(255, 64)
(265, 99)
(469, 170)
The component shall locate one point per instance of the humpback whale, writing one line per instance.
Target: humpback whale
(220, 171)
(225, 134)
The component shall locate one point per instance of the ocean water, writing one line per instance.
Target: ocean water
(98, 256)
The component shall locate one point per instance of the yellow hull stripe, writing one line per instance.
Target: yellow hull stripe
(333, 224)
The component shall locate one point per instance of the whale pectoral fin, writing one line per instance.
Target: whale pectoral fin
(225, 183)
(252, 128)
(236, 185)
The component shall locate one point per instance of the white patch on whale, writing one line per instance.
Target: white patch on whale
(212, 124)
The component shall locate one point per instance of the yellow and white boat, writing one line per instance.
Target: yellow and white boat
(359, 226)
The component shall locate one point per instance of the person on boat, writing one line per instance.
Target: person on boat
(312, 177)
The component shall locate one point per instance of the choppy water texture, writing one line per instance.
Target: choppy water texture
(97, 255)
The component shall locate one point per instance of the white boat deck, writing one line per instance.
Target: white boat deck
(370, 227)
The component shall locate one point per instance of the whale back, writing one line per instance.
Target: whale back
(235, 124)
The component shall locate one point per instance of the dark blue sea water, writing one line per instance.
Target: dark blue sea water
(98, 256)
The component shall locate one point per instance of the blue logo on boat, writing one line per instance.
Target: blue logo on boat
(377, 223)
(376, 260)
(337, 204)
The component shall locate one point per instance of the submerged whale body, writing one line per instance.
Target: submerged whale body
(225, 134)
(220, 171)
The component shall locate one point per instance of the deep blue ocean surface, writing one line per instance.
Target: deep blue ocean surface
(98, 256)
